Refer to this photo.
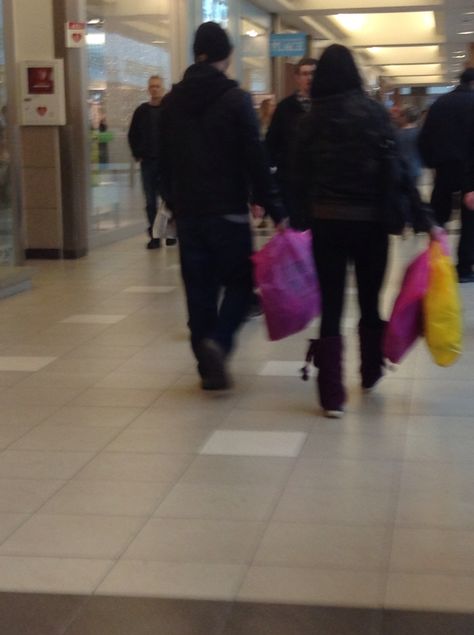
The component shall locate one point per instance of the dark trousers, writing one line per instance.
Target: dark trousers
(448, 180)
(217, 274)
(149, 171)
(335, 244)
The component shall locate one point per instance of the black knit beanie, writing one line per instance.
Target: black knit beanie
(211, 43)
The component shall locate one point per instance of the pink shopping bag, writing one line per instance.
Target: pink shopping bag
(285, 274)
(406, 322)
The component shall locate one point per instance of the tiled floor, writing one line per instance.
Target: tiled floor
(136, 500)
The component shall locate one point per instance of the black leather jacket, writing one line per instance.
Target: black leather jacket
(336, 166)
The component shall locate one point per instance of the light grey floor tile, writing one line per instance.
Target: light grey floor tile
(26, 464)
(62, 438)
(439, 448)
(432, 551)
(95, 416)
(24, 363)
(84, 318)
(436, 476)
(448, 508)
(51, 575)
(11, 433)
(138, 381)
(439, 592)
(126, 397)
(324, 546)
(348, 474)
(325, 587)
(136, 467)
(243, 470)
(190, 580)
(106, 498)
(102, 537)
(182, 440)
(191, 540)
(340, 507)
(38, 396)
(231, 502)
(162, 418)
(444, 426)
(442, 397)
(9, 522)
(20, 414)
(26, 496)
(150, 289)
(261, 421)
(52, 381)
(383, 447)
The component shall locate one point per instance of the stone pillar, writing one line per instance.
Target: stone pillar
(73, 137)
(31, 26)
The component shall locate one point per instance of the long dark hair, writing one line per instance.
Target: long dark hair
(335, 73)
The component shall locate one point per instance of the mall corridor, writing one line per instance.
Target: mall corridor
(133, 503)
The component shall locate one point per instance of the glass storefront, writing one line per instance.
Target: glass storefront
(127, 42)
(255, 27)
(6, 211)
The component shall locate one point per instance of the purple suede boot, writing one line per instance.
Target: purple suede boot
(371, 357)
(326, 355)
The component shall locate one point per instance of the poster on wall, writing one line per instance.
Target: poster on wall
(42, 93)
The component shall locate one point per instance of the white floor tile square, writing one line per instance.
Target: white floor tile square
(283, 369)
(250, 443)
(30, 364)
(84, 318)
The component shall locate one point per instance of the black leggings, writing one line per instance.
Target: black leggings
(337, 242)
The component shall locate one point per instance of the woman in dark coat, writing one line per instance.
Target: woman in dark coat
(337, 175)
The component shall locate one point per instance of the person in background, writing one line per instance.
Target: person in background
(145, 146)
(265, 114)
(282, 132)
(446, 143)
(407, 137)
(337, 172)
(212, 164)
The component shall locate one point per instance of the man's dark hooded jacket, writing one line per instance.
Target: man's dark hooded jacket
(212, 161)
(446, 136)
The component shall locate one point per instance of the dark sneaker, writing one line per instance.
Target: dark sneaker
(154, 243)
(170, 242)
(212, 366)
(466, 277)
(254, 311)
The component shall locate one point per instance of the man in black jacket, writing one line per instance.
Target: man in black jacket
(446, 144)
(212, 164)
(282, 133)
(144, 144)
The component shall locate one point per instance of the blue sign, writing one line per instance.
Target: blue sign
(288, 44)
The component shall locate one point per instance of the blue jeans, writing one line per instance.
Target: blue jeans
(217, 275)
(149, 170)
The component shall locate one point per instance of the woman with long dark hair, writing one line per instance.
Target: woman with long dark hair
(337, 175)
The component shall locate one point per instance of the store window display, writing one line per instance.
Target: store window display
(126, 45)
